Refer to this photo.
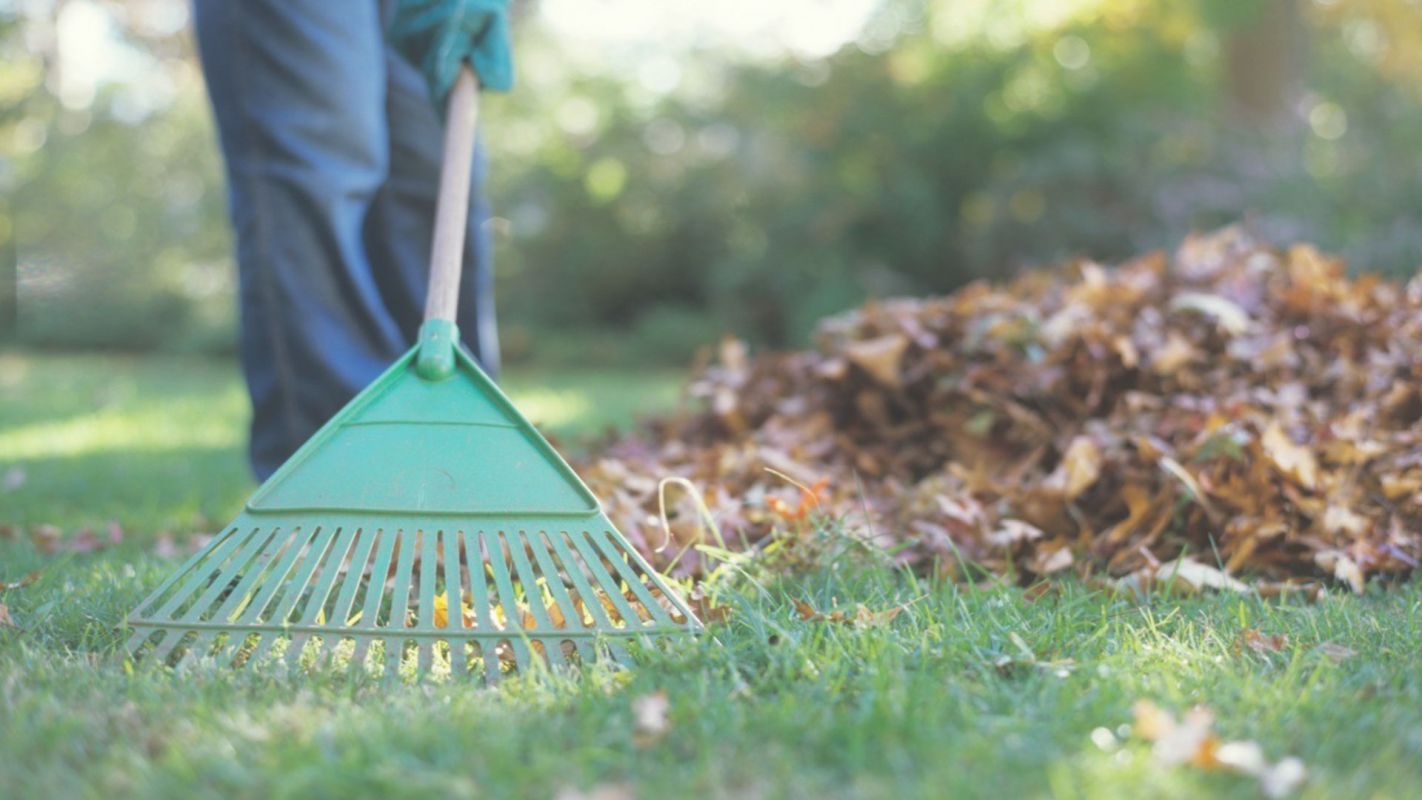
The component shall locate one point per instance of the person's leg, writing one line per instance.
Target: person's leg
(298, 88)
(399, 228)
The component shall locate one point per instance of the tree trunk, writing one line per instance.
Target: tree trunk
(1265, 63)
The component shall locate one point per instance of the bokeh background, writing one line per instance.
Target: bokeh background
(668, 171)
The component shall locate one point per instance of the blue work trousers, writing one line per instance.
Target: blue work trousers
(332, 148)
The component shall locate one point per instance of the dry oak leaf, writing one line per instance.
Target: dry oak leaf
(881, 357)
(1260, 643)
(863, 616)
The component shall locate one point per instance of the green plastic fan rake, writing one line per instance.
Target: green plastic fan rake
(428, 523)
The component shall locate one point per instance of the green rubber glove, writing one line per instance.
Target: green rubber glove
(439, 35)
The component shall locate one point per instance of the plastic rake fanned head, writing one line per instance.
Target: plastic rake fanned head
(427, 528)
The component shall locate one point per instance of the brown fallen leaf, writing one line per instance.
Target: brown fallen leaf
(1252, 639)
(879, 357)
(45, 538)
(706, 609)
(5, 620)
(21, 583)
(863, 616)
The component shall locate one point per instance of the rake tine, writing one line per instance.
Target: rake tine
(605, 581)
(276, 580)
(580, 582)
(359, 654)
(641, 563)
(551, 578)
(513, 621)
(429, 560)
(522, 654)
(335, 557)
(454, 618)
(529, 581)
(654, 609)
(478, 581)
(201, 646)
(399, 606)
(136, 641)
(180, 573)
(355, 576)
(489, 654)
(199, 577)
(166, 645)
(315, 548)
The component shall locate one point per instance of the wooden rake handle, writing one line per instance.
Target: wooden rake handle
(452, 211)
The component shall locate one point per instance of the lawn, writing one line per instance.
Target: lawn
(980, 690)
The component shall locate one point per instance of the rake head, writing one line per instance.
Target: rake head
(358, 597)
(427, 527)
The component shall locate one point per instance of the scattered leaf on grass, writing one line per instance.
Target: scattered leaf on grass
(607, 791)
(45, 538)
(863, 616)
(1252, 639)
(1192, 741)
(649, 718)
(1336, 652)
(1192, 576)
(5, 620)
(21, 583)
(706, 609)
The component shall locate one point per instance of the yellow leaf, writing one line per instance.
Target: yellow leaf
(1079, 468)
(441, 611)
(1292, 460)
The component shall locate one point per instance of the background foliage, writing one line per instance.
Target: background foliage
(650, 211)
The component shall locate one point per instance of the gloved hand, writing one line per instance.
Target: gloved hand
(439, 35)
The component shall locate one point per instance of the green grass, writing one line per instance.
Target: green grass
(968, 692)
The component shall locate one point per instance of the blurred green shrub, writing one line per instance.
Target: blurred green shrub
(757, 197)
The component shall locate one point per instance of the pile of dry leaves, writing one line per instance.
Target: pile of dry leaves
(1231, 404)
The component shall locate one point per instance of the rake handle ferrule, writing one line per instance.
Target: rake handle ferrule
(451, 225)
(438, 338)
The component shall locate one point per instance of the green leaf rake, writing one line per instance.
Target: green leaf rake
(428, 526)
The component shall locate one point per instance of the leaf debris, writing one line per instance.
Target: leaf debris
(1234, 404)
